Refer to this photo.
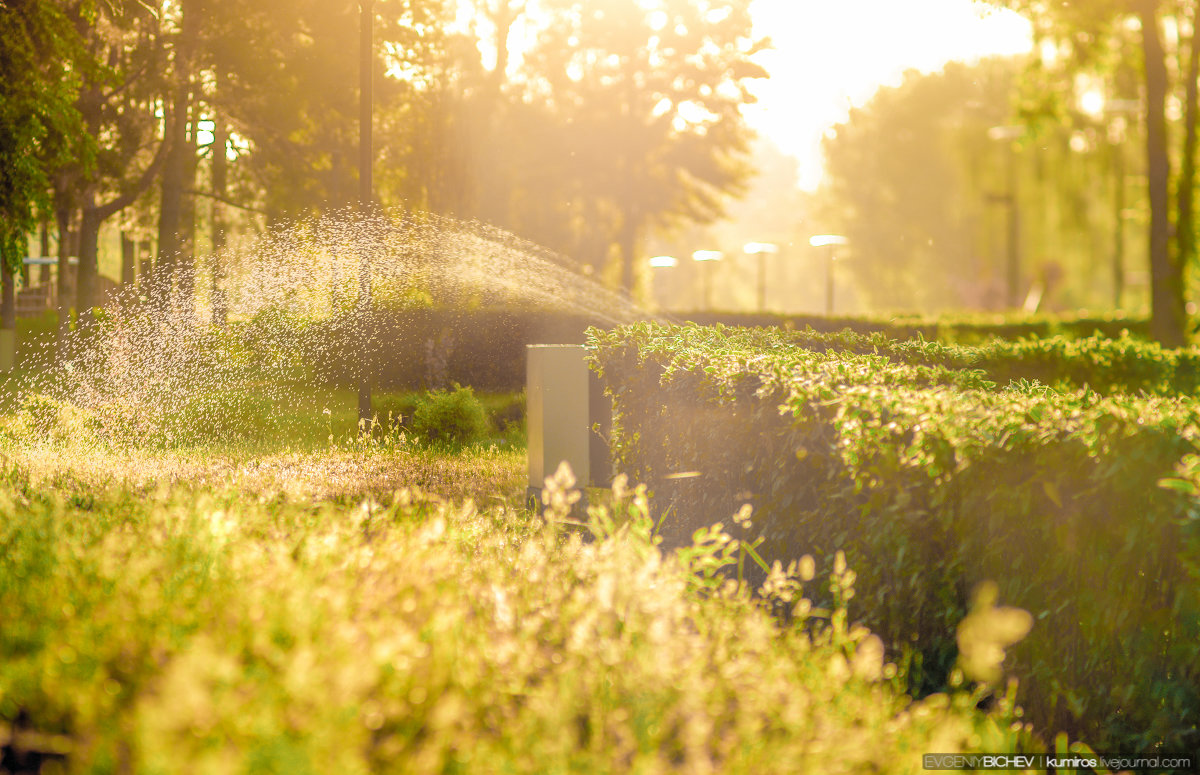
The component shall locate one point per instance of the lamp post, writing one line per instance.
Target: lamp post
(831, 241)
(762, 250)
(708, 257)
(662, 263)
(1009, 199)
(366, 19)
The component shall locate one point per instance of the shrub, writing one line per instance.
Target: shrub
(1107, 365)
(933, 480)
(488, 350)
(454, 417)
(245, 634)
(43, 418)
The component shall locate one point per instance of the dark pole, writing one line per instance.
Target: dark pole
(1014, 258)
(1119, 237)
(366, 19)
(762, 281)
(829, 281)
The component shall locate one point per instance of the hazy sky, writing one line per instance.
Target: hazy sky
(830, 54)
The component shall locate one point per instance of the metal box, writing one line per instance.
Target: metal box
(558, 411)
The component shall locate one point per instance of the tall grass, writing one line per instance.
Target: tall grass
(196, 628)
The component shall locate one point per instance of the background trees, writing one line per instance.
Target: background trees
(1094, 39)
(644, 102)
(582, 126)
(927, 179)
(41, 62)
(908, 177)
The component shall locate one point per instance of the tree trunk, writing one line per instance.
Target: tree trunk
(128, 259)
(171, 234)
(94, 215)
(45, 251)
(8, 296)
(1167, 317)
(219, 179)
(63, 211)
(87, 274)
(22, 267)
(1185, 230)
(8, 306)
(170, 214)
(146, 264)
(185, 268)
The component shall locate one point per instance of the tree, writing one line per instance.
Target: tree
(644, 100)
(1084, 31)
(41, 62)
(909, 175)
(116, 103)
(288, 87)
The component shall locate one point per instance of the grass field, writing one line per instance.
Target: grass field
(293, 604)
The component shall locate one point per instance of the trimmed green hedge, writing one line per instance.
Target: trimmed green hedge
(1106, 365)
(425, 348)
(965, 328)
(932, 481)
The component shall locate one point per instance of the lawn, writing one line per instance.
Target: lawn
(376, 603)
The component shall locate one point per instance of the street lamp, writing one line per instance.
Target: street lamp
(831, 241)
(708, 257)
(365, 105)
(665, 284)
(762, 250)
(1009, 199)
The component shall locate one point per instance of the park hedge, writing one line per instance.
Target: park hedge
(962, 328)
(1107, 365)
(485, 348)
(933, 480)
(431, 347)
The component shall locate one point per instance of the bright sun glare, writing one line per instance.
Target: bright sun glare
(830, 55)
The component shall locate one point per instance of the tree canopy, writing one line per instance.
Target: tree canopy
(599, 123)
(41, 63)
(931, 179)
(1095, 39)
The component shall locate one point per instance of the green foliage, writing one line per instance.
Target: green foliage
(44, 418)
(964, 328)
(488, 349)
(394, 407)
(40, 62)
(616, 120)
(923, 146)
(450, 417)
(933, 480)
(414, 635)
(1106, 365)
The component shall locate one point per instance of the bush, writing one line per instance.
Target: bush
(933, 480)
(968, 328)
(42, 418)
(1107, 365)
(452, 417)
(248, 634)
(431, 347)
